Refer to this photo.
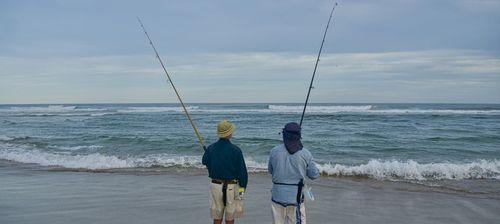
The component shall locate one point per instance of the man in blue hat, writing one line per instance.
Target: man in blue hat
(289, 164)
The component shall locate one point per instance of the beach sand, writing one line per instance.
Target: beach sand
(29, 194)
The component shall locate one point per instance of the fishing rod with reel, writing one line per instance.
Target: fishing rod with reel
(197, 133)
(316, 65)
(305, 187)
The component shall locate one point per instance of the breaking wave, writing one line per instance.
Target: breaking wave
(319, 109)
(98, 161)
(373, 110)
(91, 161)
(54, 110)
(154, 109)
(79, 147)
(376, 169)
(41, 109)
(411, 170)
(437, 111)
(5, 138)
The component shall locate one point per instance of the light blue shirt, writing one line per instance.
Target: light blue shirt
(289, 169)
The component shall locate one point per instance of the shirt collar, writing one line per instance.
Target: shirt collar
(225, 140)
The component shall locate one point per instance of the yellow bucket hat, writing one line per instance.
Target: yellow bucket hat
(225, 129)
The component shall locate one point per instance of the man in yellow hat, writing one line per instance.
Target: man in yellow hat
(227, 169)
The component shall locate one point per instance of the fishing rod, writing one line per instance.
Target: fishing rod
(316, 66)
(200, 139)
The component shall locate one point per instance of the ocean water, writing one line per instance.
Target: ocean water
(415, 142)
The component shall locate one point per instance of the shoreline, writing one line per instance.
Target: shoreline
(471, 186)
(31, 195)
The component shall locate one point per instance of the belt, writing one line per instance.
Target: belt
(215, 181)
(299, 190)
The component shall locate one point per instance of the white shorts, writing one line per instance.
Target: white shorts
(233, 208)
(287, 215)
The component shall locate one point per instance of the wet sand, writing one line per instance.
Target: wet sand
(31, 195)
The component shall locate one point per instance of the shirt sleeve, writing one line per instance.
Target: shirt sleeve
(204, 161)
(270, 165)
(312, 170)
(242, 168)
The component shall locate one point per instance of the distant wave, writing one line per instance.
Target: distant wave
(436, 111)
(60, 110)
(377, 169)
(411, 170)
(52, 110)
(319, 109)
(40, 109)
(154, 109)
(5, 138)
(373, 110)
(78, 147)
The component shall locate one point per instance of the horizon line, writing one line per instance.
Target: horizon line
(485, 103)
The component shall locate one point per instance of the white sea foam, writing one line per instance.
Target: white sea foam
(319, 109)
(154, 109)
(99, 114)
(90, 161)
(165, 160)
(60, 110)
(51, 110)
(377, 169)
(411, 170)
(5, 138)
(254, 166)
(79, 147)
(41, 109)
(372, 110)
(91, 109)
(97, 161)
(434, 111)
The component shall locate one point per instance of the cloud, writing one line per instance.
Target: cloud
(438, 62)
(490, 5)
(256, 77)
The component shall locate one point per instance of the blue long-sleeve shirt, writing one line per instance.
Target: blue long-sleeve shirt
(289, 169)
(225, 161)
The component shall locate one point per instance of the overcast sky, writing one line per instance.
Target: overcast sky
(415, 51)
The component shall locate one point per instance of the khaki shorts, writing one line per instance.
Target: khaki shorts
(287, 215)
(233, 208)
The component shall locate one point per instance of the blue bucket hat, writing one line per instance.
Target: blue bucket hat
(291, 137)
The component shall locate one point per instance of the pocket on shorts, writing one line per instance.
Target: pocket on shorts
(238, 203)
